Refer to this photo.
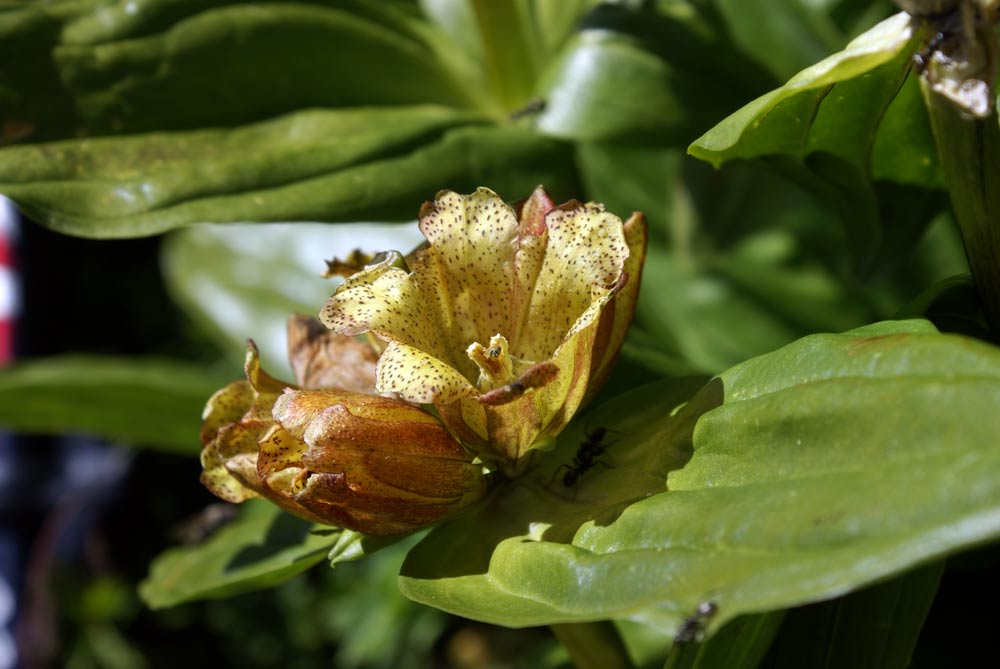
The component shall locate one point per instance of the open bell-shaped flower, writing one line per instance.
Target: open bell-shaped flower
(507, 321)
(372, 464)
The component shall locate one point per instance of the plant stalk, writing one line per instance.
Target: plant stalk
(595, 645)
(969, 150)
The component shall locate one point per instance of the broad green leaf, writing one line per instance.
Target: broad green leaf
(645, 71)
(261, 548)
(34, 101)
(141, 65)
(338, 165)
(511, 49)
(874, 628)
(782, 120)
(146, 402)
(245, 281)
(558, 19)
(852, 128)
(796, 476)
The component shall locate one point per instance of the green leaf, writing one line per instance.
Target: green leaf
(640, 71)
(844, 128)
(952, 304)
(34, 101)
(829, 464)
(511, 48)
(338, 165)
(260, 549)
(783, 35)
(149, 65)
(874, 628)
(217, 272)
(743, 301)
(633, 177)
(147, 402)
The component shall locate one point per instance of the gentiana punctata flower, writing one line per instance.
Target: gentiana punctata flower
(356, 460)
(506, 322)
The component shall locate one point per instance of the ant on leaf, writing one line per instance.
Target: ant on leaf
(586, 457)
(693, 627)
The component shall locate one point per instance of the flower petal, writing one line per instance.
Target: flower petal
(585, 256)
(324, 359)
(616, 319)
(419, 377)
(383, 299)
(486, 260)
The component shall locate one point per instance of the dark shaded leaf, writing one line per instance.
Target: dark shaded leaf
(874, 628)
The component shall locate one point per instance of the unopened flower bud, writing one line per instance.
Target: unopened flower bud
(368, 463)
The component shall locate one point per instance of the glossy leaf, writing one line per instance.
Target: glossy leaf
(261, 548)
(146, 402)
(852, 128)
(314, 165)
(789, 479)
(642, 71)
(140, 65)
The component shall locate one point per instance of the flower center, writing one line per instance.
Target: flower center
(496, 365)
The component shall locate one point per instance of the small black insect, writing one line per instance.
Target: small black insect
(693, 627)
(586, 457)
(534, 106)
(923, 57)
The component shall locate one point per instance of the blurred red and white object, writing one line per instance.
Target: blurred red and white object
(9, 288)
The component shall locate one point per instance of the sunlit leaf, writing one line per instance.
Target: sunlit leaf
(131, 66)
(314, 165)
(790, 478)
(261, 548)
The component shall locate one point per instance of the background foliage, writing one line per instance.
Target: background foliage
(808, 484)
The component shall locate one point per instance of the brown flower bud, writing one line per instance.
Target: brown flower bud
(368, 463)
(364, 462)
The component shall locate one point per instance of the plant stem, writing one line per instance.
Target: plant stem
(594, 645)
(969, 150)
(510, 49)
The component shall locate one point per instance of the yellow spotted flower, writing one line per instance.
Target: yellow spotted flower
(506, 321)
